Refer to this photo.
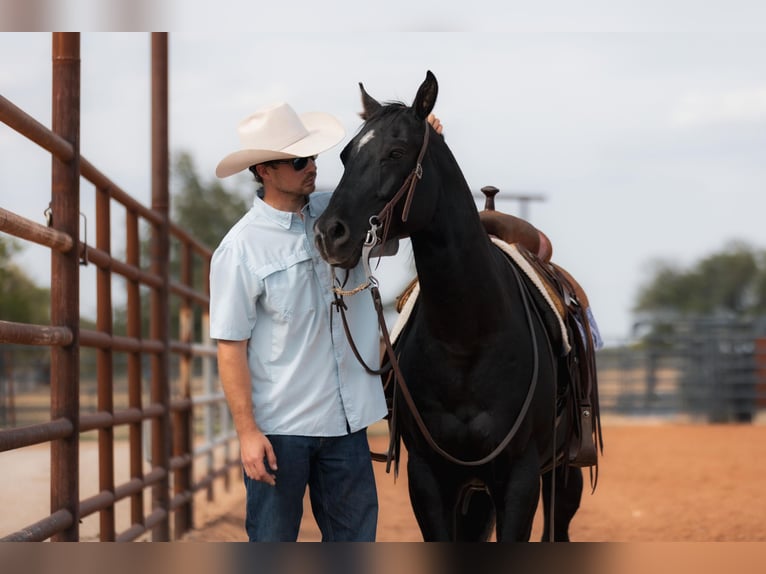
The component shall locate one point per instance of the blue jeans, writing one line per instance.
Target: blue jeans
(338, 473)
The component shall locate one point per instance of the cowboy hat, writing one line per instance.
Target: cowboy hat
(277, 132)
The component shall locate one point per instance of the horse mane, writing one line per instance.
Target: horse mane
(385, 108)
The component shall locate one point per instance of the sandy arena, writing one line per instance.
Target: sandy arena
(657, 483)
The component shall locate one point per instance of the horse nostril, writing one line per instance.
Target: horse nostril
(338, 232)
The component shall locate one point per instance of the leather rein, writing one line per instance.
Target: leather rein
(384, 218)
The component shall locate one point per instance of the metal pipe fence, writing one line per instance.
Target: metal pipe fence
(700, 370)
(141, 383)
(171, 412)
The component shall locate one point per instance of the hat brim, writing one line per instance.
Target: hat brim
(324, 132)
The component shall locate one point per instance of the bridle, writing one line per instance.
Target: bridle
(383, 218)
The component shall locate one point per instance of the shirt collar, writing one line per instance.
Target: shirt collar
(282, 218)
(313, 211)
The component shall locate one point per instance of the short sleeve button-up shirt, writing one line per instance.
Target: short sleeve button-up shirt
(269, 286)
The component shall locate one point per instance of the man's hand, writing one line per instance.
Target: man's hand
(255, 447)
(435, 123)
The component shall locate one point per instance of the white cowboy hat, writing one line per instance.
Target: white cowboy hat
(277, 132)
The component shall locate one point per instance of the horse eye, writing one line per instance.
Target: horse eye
(396, 154)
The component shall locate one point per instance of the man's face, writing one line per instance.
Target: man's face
(293, 176)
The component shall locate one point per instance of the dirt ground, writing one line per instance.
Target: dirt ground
(657, 483)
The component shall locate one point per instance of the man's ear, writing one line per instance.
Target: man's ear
(261, 169)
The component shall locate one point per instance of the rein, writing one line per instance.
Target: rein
(384, 218)
(411, 403)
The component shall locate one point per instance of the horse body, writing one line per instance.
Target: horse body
(471, 351)
(467, 359)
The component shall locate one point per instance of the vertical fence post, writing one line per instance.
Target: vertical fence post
(182, 429)
(65, 280)
(223, 417)
(160, 320)
(104, 363)
(135, 400)
(209, 388)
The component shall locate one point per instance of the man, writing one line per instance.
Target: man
(300, 401)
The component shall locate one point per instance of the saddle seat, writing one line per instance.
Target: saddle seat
(538, 251)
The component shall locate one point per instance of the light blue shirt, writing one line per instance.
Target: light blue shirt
(269, 286)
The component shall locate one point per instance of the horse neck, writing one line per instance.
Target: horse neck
(459, 287)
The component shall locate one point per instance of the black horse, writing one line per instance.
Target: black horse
(481, 370)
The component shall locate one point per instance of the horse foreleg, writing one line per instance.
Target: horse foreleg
(516, 509)
(566, 502)
(427, 496)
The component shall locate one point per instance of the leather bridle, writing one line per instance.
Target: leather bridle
(384, 217)
(385, 214)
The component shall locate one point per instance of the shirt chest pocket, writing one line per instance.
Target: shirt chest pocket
(291, 289)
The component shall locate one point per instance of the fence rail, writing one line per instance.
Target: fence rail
(700, 370)
(181, 426)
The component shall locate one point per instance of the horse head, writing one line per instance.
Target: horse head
(382, 167)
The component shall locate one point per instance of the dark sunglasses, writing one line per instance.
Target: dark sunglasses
(298, 163)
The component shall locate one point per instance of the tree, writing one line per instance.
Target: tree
(206, 211)
(20, 299)
(729, 284)
(707, 316)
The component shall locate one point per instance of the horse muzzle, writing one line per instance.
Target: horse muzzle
(333, 240)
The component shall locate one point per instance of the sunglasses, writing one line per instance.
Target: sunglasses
(298, 163)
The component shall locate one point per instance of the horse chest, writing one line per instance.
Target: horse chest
(463, 398)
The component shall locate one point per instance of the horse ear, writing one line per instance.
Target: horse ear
(426, 96)
(370, 104)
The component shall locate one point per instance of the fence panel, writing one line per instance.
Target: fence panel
(67, 382)
(702, 370)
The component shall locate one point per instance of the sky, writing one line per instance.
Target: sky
(641, 124)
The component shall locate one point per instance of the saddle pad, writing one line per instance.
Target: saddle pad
(511, 250)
